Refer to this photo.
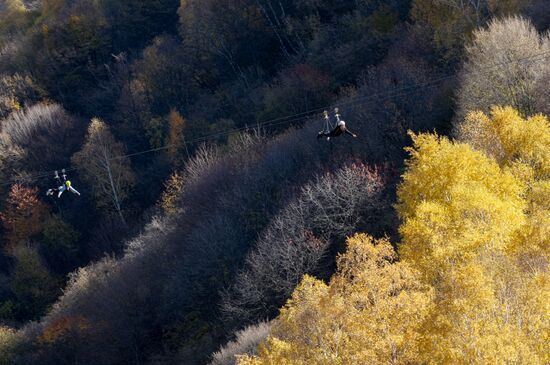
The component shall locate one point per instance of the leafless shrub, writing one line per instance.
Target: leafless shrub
(20, 127)
(246, 342)
(328, 209)
(43, 134)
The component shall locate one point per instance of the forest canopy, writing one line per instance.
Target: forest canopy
(214, 224)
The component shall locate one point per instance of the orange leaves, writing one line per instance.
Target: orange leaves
(60, 327)
(175, 139)
(24, 214)
(169, 200)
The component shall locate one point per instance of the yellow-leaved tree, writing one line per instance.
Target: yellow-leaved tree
(455, 202)
(522, 146)
(472, 285)
(464, 217)
(370, 313)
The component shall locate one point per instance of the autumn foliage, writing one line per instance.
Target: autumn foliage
(207, 202)
(471, 284)
(371, 312)
(466, 228)
(24, 214)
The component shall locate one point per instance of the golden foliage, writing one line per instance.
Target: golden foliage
(175, 140)
(472, 286)
(509, 138)
(172, 190)
(477, 231)
(488, 311)
(521, 146)
(370, 313)
(455, 201)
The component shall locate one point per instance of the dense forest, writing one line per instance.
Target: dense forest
(214, 227)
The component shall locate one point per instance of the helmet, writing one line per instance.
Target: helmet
(68, 183)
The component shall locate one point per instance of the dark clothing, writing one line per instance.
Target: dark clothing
(336, 132)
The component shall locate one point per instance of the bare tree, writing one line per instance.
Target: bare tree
(327, 210)
(105, 167)
(246, 342)
(508, 64)
(39, 137)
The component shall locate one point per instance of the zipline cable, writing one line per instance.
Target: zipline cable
(302, 116)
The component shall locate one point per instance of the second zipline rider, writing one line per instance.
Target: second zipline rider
(65, 185)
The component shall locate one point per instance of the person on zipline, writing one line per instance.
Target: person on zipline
(66, 185)
(337, 131)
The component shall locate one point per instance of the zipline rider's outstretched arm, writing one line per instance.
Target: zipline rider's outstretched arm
(336, 132)
(74, 191)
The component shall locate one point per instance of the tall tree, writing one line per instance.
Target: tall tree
(446, 183)
(521, 145)
(176, 138)
(105, 168)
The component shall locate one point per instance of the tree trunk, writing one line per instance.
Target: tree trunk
(113, 188)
